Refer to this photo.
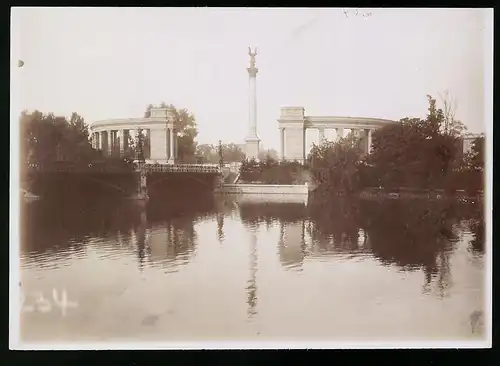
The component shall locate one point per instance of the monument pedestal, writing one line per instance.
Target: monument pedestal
(252, 145)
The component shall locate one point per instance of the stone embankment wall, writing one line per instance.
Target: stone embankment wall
(261, 189)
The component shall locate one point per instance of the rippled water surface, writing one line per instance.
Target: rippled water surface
(228, 269)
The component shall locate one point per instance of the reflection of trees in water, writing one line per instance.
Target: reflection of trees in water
(168, 231)
(334, 226)
(48, 225)
(477, 229)
(413, 235)
(270, 212)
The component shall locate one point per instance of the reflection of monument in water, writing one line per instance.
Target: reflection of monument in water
(252, 282)
(220, 227)
(291, 244)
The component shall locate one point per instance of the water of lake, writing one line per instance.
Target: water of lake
(229, 269)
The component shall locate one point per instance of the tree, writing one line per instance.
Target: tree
(46, 139)
(477, 153)
(231, 152)
(474, 159)
(205, 153)
(450, 125)
(335, 164)
(268, 154)
(414, 152)
(186, 131)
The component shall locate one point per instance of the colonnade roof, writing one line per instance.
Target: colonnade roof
(334, 122)
(129, 123)
(345, 119)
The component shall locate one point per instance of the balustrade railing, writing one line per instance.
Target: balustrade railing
(180, 168)
(99, 168)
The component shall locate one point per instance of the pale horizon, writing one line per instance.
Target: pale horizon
(112, 62)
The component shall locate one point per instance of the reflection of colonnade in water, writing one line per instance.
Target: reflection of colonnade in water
(292, 244)
(173, 241)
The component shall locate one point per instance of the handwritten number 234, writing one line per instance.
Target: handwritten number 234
(44, 305)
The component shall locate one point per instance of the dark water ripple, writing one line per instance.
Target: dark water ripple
(226, 269)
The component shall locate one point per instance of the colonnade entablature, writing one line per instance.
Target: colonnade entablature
(293, 124)
(113, 136)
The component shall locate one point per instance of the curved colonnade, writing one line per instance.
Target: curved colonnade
(114, 136)
(293, 124)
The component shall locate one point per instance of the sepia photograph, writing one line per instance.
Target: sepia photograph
(228, 178)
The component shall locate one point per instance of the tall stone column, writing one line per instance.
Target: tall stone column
(282, 144)
(252, 140)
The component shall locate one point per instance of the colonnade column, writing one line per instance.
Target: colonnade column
(321, 135)
(122, 142)
(370, 141)
(167, 142)
(110, 143)
(137, 137)
(304, 155)
(366, 144)
(340, 132)
(148, 138)
(172, 144)
(102, 142)
(176, 147)
(282, 144)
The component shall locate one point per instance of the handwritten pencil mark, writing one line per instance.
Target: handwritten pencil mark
(356, 13)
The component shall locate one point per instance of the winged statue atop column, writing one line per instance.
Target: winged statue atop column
(252, 56)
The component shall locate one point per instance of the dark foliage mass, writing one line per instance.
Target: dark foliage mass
(412, 153)
(270, 171)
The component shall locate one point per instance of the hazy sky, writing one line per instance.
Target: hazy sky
(112, 62)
